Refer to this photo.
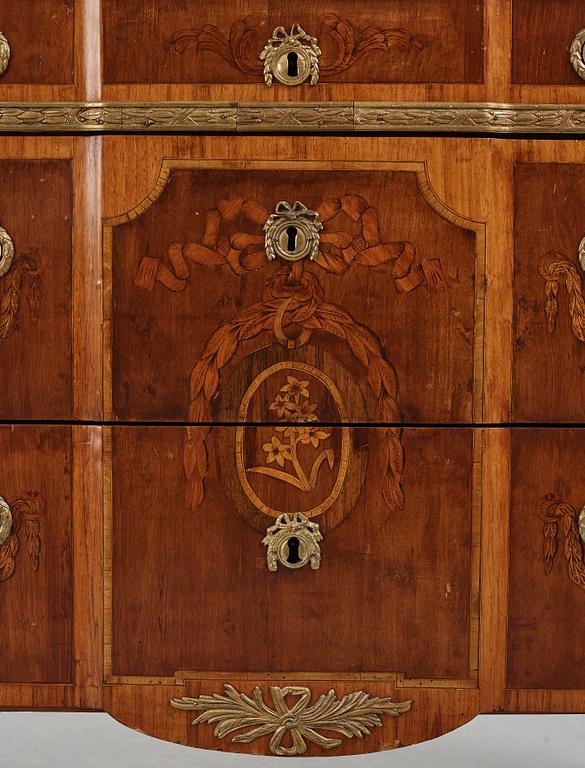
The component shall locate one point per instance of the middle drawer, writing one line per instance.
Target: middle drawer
(254, 291)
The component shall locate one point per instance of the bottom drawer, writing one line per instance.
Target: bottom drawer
(316, 557)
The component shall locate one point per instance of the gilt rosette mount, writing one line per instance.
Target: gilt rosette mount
(4, 53)
(5, 521)
(577, 55)
(292, 57)
(292, 232)
(6, 251)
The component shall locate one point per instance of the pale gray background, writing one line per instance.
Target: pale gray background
(82, 740)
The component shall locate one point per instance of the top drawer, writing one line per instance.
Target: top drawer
(214, 50)
(37, 50)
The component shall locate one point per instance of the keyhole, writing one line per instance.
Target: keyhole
(291, 233)
(293, 551)
(293, 64)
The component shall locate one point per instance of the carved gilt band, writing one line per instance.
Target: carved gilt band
(348, 117)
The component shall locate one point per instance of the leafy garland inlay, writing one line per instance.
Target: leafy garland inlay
(238, 49)
(14, 272)
(555, 268)
(559, 511)
(293, 296)
(353, 716)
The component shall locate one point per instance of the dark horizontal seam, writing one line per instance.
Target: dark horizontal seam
(352, 424)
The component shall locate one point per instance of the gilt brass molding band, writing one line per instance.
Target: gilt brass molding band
(234, 117)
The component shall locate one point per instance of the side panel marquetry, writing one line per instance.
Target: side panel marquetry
(549, 307)
(547, 561)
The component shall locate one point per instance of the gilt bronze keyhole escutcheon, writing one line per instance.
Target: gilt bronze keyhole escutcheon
(293, 541)
(292, 57)
(292, 232)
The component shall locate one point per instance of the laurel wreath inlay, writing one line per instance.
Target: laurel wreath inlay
(285, 303)
(556, 269)
(560, 513)
(15, 272)
(355, 715)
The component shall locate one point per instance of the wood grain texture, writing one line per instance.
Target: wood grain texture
(87, 281)
(36, 605)
(449, 248)
(546, 609)
(449, 35)
(494, 567)
(36, 208)
(87, 566)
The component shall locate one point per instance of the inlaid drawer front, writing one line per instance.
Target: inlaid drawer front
(547, 561)
(266, 291)
(300, 44)
(36, 593)
(36, 47)
(285, 539)
(549, 325)
(548, 39)
(36, 208)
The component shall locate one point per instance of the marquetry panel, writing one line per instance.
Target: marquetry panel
(195, 306)
(36, 579)
(36, 212)
(213, 45)
(549, 326)
(547, 563)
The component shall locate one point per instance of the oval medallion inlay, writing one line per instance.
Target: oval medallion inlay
(291, 463)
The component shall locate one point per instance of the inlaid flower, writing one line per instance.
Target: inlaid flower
(283, 407)
(295, 388)
(276, 451)
(311, 435)
(305, 411)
